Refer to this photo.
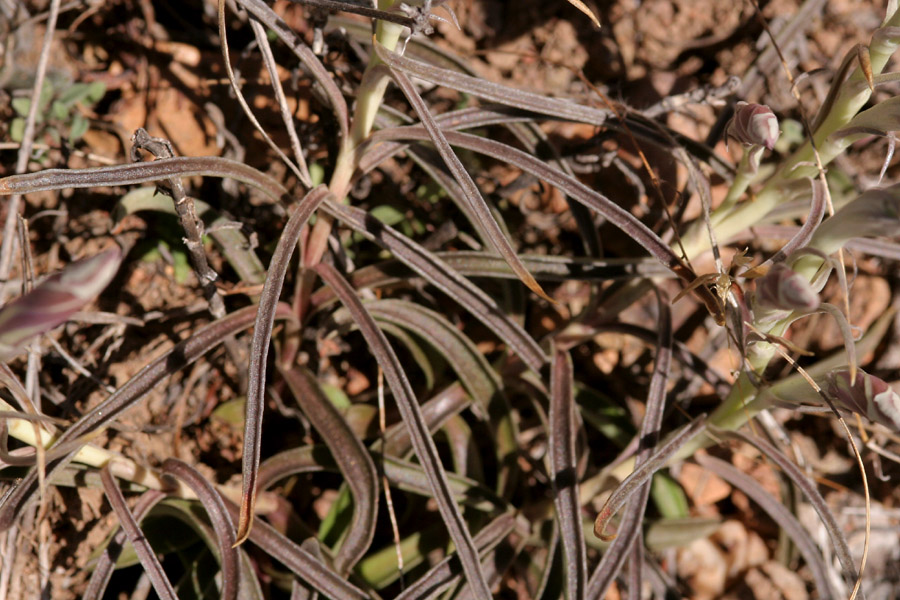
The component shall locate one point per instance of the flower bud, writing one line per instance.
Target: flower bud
(869, 396)
(783, 289)
(753, 125)
(55, 299)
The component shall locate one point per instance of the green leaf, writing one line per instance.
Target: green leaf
(21, 106)
(604, 415)
(669, 497)
(46, 96)
(17, 130)
(59, 111)
(78, 127)
(336, 395)
(387, 214)
(78, 92)
(181, 265)
(316, 173)
(96, 91)
(335, 523)
(231, 412)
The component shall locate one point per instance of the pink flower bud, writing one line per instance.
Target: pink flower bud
(783, 289)
(869, 396)
(753, 125)
(55, 299)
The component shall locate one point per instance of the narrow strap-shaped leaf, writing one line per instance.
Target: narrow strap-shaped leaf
(412, 416)
(483, 264)
(779, 513)
(439, 274)
(182, 355)
(563, 473)
(617, 215)
(106, 564)
(544, 105)
(479, 207)
(805, 233)
(643, 474)
(475, 373)
(447, 572)
(436, 410)
(303, 564)
(629, 533)
(808, 487)
(301, 591)
(220, 519)
(259, 351)
(143, 172)
(351, 456)
(142, 548)
(432, 163)
(264, 13)
(470, 297)
(404, 475)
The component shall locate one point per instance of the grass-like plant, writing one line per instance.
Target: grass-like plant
(494, 439)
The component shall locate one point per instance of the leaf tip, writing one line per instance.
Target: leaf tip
(245, 524)
(535, 287)
(599, 527)
(583, 8)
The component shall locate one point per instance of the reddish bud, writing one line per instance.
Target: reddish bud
(783, 289)
(753, 125)
(869, 396)
(55, 299)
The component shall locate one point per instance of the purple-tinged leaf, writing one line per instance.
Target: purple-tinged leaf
(355, 464)
(541, 104)
(182, 355)
(780, 514)
(106, 564)
(618, 216)
(220, 519)
(818, 203)
(404, 475)
(421, 439)
(143, 172)
(447, 572)
(142, 548)
(55, 299)
(564, 474)
(439, 274)
(809, 488)
(477, 205)
(259, 350)
(643, 473)
(300, 561)
(436, 411)
(629, 532)
(473, 370)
